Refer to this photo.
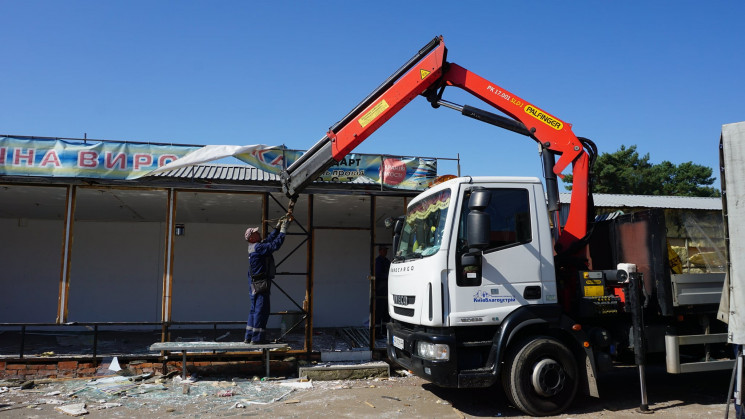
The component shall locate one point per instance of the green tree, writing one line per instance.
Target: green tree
(626, 172)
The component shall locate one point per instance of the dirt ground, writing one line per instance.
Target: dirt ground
(686, 396)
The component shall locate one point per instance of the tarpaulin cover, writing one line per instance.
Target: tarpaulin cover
(732, 156)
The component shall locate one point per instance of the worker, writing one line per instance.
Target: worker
(261, 268)
(382, 265)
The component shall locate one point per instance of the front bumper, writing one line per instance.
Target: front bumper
(444, 373)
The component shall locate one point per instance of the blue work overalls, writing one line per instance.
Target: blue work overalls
(260, 259)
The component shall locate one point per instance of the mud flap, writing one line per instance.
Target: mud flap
(589, 383)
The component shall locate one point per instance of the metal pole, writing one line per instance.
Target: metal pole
(372, 301)
(66, 254)
(738, 385)
(640, 349)
(166, 300)
(23, 339)
(308, 306)
(266, 360)
(214, 335)
(95, 343)
(643, 386)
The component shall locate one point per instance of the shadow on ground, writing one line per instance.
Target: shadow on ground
(619, 390)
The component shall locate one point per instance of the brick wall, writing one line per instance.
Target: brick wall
(40, 369)
(35, 370)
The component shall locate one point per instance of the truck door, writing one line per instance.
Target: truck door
(510, 268)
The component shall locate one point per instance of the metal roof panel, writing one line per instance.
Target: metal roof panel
(652, 201)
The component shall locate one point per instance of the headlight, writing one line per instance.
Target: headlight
(435, 351)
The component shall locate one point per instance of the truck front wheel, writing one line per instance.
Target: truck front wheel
(540, 376)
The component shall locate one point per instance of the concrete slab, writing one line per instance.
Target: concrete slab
(345, 371)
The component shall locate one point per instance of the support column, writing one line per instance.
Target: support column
(308, 303)
(64, 283)
(167, 300)
(373, 294)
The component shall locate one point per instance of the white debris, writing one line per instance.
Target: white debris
(50, 401)
(76, 409)
(189, 380)
(115, 365)
(108, 405)
(109, 380)
(297, 384)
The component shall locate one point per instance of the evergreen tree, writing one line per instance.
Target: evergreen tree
(626, 172)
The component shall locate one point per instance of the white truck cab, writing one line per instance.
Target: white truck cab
(428, 284)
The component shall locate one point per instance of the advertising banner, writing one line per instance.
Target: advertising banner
(412, 173)
(395, 172)
(24, 156)
(21, 156)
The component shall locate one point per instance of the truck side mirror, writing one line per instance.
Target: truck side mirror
(399, 226)
(479, 222)
(479, 199)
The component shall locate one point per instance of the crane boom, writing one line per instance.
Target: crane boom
(377, 108)
(428, 73)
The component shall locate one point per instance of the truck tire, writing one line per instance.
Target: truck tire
(540, 376)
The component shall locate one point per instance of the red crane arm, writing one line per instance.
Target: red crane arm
(415, 77)
(553, 133)
(412, 84)
(424, 74)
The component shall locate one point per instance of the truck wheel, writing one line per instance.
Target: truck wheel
(540, 376)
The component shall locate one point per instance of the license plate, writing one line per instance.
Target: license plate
(398, 342)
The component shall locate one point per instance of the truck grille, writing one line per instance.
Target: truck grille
(408, 312)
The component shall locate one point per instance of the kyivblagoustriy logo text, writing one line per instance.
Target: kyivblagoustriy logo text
(543, 117)
(483, 297)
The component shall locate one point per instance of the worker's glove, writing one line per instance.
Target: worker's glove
(279, 223)
(283, 225)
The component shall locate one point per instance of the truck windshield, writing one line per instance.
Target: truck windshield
(425, 224)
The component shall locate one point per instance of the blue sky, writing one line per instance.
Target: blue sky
(664, 75)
